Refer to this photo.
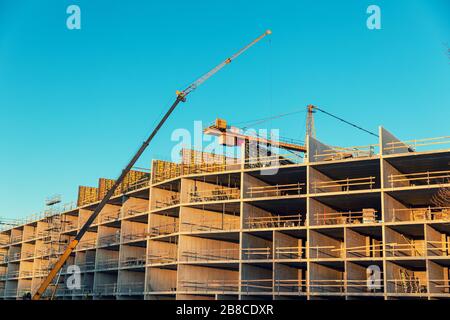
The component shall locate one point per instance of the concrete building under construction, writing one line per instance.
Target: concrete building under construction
(330, 223)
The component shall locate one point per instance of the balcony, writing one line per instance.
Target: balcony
(133, 237)
(421, 214)
(326, 252)
(129, 289)
(276, 160)
(416, 179)
(164, 229)
(257, 253)
(344, 185)
(279, 190)
(290, 286)
(277, 221)
(212, 285)
(290, 253)
(109, 240)
(87, 244)
(132, 262)
(217, 194)
(108, 264)
(348, 217)
(412, 249)
(168, 201)
(206, 255)
(162, 257)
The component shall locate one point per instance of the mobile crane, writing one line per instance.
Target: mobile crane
(181, 97)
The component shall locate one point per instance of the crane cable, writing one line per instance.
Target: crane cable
(262, 120)
(345, 121)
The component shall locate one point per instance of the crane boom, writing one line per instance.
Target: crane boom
(181, 97)
(213, 71)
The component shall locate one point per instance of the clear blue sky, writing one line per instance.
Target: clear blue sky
(75, 104)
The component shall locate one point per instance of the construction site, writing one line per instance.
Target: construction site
(281, 220)
(215, 227)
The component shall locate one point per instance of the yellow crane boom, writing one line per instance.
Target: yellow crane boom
(181, 97)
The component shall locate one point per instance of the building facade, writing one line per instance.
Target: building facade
(337, 223)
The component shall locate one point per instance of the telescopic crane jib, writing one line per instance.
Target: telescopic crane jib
(181, 97)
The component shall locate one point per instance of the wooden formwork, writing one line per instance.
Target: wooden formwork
(87, 195)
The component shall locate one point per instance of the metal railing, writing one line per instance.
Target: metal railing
(279, 190)
(419, 179)
(326, 252)
(132, 262)
(414, 144)
(346, 217)
(421, 214)
(348, 184)
(277, 221)
(107, 264)
(276, 160)
(109, 240)
(162, 257)
(257, 253)
(394, 249)
(205, 224)
(164, 229)
(217, 194)
(290, 253)
(211, 254)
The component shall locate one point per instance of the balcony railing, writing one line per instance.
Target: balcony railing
(290, 253)
(70, 225)
(279, 190)
(167, 201)
(327, 285)
(16, 239)
(256, 285)
(419, 179)
(87, 244)
(131, 288)
(87, 266)
(421, 214)
(344, 185)
(366, 251)
(290, 285)
(440, 285)
(438, 248)
(109, 240)
(211, 254)
(413, 145)
(326, 252)
(276, 160)
(105, 289)
(341, 153)
(162, 257)
(212, 285)
(347, 217)
(134, 237)
(108, 264)
(257, 253)
(132, 262)
(218, 194)
(394, 249)
(211, 224)
(163, 229)
(109, 217)
(285, 221)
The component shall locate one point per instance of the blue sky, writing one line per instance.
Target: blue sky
(75, 104)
